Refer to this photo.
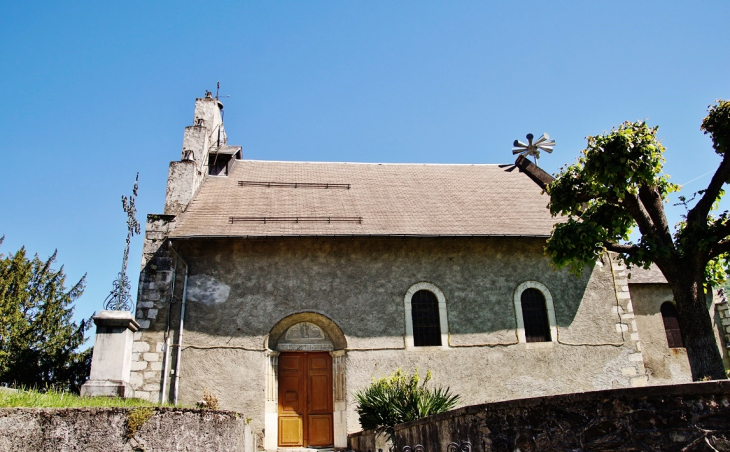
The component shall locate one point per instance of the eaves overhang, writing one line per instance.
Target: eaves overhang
(194, 237)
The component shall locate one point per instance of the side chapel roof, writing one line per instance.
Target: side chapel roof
(651, 275)
(267, 198)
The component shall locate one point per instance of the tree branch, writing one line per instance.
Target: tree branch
(700, 211)
(718, 249)
(640, 215)
(620, 248)
(721, 231)
(654, 205)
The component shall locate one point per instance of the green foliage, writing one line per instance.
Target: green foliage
(137, 418)
(593, 194)
(716, 271)
(717, 124)
(400, 398)
(38, 339)
(617, 184)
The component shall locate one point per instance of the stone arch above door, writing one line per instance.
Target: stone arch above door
(331, 330)
(304, 337)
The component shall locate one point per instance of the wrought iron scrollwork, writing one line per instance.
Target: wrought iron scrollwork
(461, 446)
(119, 299)
(416, 448)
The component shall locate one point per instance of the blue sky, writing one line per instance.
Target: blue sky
(94, 92)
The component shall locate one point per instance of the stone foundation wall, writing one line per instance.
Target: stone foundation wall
(105, 429)
(687, 417)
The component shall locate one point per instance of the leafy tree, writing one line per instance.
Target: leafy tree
(38, 339)
(400, 398)
(617, 184)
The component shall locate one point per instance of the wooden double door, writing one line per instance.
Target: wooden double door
(305, 399)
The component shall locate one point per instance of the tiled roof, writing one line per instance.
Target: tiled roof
(652, 275)
(372, 199)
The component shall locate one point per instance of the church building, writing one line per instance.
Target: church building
(284, 287)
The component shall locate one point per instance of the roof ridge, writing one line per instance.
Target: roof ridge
(378, 163)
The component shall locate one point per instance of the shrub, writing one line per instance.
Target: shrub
(137, 418)
(400, 398)
(209, 401)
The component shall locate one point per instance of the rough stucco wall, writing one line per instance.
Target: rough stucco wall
(236, 377)
(664, 365)
(242, 288)
(687, 417)
(667, 365)
(104, 429)
(345, 279)
(721, 321)
(492, 374)
(180, 186)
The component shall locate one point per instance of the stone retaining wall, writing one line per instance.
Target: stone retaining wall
(106, 429)
(687, 417)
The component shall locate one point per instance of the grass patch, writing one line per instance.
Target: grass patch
(60, 399)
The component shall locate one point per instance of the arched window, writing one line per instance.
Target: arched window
(671, 325)
(425, 316)
(535, 313)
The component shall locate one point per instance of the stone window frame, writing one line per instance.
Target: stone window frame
(549, 306)
(443, 316)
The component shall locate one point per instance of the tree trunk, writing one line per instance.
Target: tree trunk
(697, 331)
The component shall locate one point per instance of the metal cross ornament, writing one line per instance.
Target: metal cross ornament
(544, 143)
(119, 299)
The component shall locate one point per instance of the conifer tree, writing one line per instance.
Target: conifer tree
(39, 341)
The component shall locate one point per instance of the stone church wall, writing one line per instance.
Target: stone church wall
(238, 290)
(154, 309)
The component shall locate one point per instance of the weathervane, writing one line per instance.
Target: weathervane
(544, 143)
(118, 299)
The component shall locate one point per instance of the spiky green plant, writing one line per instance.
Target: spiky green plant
(399, 398)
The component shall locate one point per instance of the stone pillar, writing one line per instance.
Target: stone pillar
(111, 361)
(271, 414)
(340, 397)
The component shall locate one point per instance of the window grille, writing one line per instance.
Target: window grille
(671, 325)
(534, 315)
(426, 321)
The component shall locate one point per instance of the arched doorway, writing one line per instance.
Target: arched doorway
(305, 383)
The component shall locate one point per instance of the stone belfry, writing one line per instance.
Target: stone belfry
(206, 135)
(147, 365)
(155, 369)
